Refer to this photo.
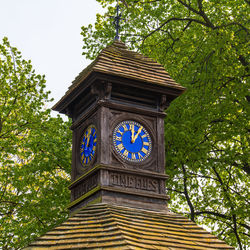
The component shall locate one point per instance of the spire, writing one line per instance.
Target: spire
(117, 20)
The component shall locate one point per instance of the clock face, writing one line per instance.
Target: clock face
(132, 141)
(88, 145)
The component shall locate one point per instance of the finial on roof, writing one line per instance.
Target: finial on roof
(117, 21)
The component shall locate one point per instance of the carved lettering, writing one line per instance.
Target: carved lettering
(85, 186)
(131, 181)
(123, 180)
(138, 184)
(134, 182)
(152, 184)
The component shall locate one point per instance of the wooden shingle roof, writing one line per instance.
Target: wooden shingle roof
(117, 60)
(103, 226)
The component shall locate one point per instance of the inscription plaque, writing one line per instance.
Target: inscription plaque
(134, 182)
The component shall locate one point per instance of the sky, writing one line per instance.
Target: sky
(47, 32)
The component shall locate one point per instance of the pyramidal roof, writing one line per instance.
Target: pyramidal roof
(117, 60)
(103, 226)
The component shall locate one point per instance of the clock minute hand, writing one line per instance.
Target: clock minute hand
(88, 137)
(86, 142)
(133, 134)
(138, 132)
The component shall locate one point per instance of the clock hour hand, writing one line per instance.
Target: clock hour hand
(135, 137)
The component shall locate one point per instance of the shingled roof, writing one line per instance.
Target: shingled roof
(117, 60)
(103, 226)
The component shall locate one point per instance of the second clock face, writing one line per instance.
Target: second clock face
(132, 141)
(88, 145)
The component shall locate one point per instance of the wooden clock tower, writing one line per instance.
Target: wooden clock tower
(117, 107)
(118, 197)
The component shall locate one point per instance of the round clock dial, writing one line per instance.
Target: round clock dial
(132, 141)
(88, 145)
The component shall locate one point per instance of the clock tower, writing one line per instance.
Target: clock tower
(117, 108)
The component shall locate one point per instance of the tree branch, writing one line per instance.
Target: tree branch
(235, 230)
(188, 6)
(221, 216)
(203, 14)
(187, 195)
(175, 19)
(231, 24)
(174, 190)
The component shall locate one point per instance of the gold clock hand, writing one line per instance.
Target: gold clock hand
(133, 133)
(138, 132)
(86, 142)
(89, 131)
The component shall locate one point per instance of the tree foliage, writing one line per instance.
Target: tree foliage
(35, 152)
(204, 46)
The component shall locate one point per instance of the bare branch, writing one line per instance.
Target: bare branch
(221, 216)
(188, 6)
(232, 24)
(203, 14)
(174, 190)
(187, 195)
(175, 19)
(235, 228)
(213, 213)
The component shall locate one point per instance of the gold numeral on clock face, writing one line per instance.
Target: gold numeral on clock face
(120, 147)
(145, 143)
(139, 155)
(118, 138)
(125, 127)
(143, 136)
(125, 153)
(133, 156)
(144, 150)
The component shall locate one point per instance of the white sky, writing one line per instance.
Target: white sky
(48, 33)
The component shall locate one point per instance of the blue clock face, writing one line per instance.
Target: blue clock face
(88, 145)
(132, 142)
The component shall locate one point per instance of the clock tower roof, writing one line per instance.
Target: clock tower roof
(103, 226)
(117, 60)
